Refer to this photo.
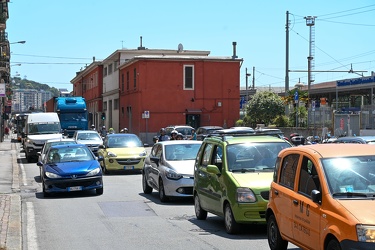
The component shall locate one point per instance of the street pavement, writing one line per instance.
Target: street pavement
(10, 196)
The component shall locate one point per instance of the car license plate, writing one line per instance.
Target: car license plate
(128, 167)
(77, 188)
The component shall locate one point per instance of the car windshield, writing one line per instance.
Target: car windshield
(88, 136)
(350, 175)
(49, 144)
(67, 154)
(251, 157)
(44, 128)
(181, 152)
(128, 141)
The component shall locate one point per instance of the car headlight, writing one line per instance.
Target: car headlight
(143, 153)
(111, 154)
(52, 175)
(366, 233)
(93, 172)
(172, 175)
(245, 195)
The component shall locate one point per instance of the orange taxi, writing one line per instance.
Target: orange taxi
(323, 197)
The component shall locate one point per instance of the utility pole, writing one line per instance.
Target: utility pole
(247, 86)
(253, 78)
(287, 60)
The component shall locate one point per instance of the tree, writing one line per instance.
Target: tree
(264, 107)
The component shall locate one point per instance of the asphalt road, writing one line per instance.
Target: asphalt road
(122, 218)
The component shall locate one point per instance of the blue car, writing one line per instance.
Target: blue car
(70, 168)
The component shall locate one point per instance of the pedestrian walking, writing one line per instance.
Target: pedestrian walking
(6, 131)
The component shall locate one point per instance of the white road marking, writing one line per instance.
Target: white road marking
(31, 227)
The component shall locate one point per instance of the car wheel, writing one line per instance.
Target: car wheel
(200, 213)
(333, 245)
(275, 241)
(45, 194)
(231, 226)
(99, 191)
(105, 170)
(146, 188)
(162, 196)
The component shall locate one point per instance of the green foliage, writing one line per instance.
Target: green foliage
(302, 116)
(263, 108)
(282, 121)
(18, 83)
(239, 123)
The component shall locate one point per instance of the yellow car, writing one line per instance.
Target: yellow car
(322, 197)
(122, 152)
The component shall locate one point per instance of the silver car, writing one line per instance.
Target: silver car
(169, 169)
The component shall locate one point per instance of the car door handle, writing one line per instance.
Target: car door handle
(295, 202)
(276, 192)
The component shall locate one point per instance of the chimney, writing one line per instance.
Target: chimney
(141, 47)
(234, 50)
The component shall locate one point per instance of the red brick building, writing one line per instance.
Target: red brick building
(88, 83)
(194, 90)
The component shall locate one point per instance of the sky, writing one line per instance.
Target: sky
(62, 37)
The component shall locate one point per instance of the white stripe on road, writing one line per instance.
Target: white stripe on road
(31, 227)
(23, 173)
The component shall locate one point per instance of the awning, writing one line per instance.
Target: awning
(193, 110)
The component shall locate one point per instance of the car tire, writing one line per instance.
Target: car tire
(146, 188)
(275, 241)
(162, 196)
(99, 191)
(45, 194)
(231, 226)
(105, 170)
(200, 213)
(333, 245)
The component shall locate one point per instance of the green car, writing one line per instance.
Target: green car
(232, 177)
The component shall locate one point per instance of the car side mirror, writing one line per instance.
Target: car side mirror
(155, 160)
(316, 196)
(101, 146)
(213, 169)
(39, 163)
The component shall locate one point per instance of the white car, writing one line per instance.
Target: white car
(169, 168)
(90, 138)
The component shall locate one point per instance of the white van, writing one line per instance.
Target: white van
(39, 128)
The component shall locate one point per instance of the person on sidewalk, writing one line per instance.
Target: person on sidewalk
(6, 131)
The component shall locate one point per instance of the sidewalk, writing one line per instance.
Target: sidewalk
(10, 199)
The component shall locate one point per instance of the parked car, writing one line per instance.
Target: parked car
(202, 132)
(271, 131)
(369, 139)
(232, 177)
(70, 167)
(51, 143)
(122, 152)
(90, 138)
(169, 169)
(322, 197)
(185, 130)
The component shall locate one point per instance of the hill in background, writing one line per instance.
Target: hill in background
(18, 83)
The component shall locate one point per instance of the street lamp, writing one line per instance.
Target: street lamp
(18, 42)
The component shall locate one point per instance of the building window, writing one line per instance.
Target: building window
(104, 106)
(105, 71)
(115, 104)
(188, 77)
(122, 82)
(127, 80)
(110, 69)
(115, 65)
(135, 78)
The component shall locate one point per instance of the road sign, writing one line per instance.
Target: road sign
(147, 114)
(296, 97)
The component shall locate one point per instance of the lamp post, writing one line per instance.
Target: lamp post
(18, 42)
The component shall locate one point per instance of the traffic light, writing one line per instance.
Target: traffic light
(103, 116)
